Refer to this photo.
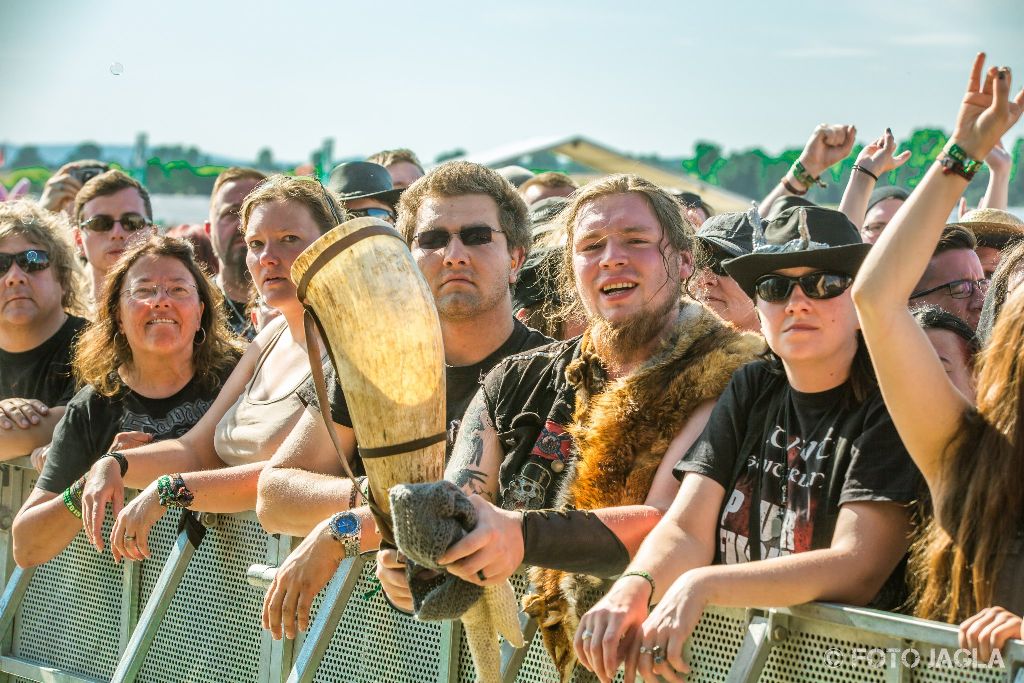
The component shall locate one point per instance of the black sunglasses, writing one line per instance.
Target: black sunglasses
(373, 212)
(131, 222)
(474, 236)
(821, 285)
(30, 261)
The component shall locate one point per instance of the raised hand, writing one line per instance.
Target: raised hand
(987, 111)
(879, 156)
(827, 146)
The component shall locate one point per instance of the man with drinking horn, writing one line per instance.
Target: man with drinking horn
(569, 449)
(469, 233)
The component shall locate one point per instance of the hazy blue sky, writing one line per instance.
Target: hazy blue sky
(232, 77)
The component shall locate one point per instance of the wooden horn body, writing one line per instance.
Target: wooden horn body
(378, 320)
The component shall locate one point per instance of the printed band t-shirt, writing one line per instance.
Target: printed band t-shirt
(814, 452)
(91, 421)
(461, 383)
(42, 373)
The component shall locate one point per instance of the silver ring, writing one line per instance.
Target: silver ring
(587, 635)
(644, 650)
(129, 537)
(659, 659)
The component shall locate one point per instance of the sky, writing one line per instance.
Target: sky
(639, 76)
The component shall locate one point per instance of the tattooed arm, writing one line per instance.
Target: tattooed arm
(477, 454)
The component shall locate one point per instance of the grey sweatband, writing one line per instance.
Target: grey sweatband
(572, 541)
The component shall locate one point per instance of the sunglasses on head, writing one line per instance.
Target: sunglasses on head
(30, 261)
(373, 212)
(130, 222)
(474, 236)
(775, 288)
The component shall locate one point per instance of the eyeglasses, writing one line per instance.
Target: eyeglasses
(178, 292)
(131, 222)
(821, 285)
(30, 261)
(474, 236)
(958, 289)
(373, 212)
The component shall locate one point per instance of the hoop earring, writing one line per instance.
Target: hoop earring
(201, 341)
(117, 333)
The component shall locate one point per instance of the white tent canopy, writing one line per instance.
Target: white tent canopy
(605, 160)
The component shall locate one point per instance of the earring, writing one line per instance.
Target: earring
(202, 341)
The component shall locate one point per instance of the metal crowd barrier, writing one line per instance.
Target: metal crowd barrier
(193, 614)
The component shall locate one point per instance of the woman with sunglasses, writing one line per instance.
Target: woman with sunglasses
(154, 361)
(970, 561)
(112, 212)
(797, 488)
(215, 466)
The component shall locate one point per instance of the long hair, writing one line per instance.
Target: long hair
(101, 350)
(862, 373)
(954, 565)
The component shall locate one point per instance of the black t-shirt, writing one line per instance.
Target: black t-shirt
(42, 373)
(237, 320)
(91, 421)
(461, 383)
(834, 450)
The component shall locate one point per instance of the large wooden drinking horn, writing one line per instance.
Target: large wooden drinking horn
(376, 315)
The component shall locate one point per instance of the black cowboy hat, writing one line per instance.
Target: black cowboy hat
(832, 243)
(363, 180)
(730, 233)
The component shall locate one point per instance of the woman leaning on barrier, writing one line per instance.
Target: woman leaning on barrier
(216, 465)
(970, 561)
(798, 488)
(152, 362)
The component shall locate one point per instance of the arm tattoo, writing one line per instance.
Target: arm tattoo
(465, 467)
(474, 481)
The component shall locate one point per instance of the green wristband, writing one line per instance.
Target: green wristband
(804, 177)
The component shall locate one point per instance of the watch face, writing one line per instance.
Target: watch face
(346, 524)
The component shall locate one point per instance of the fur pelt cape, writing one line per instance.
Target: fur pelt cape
(621, 430)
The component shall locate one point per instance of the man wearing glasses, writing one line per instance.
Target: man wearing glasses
(112, 212)
(469, 232)
(954, 279)
(37, 291)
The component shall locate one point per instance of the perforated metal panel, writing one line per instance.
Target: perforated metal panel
(715, 641)
(375, 643)
(824, 654)
(161, 538)
(71, 613)
(212, 629)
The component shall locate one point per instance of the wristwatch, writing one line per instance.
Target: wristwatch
(345, 528)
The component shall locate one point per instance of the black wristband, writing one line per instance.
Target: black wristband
(858, 167)
(121, 461)
(572, 541)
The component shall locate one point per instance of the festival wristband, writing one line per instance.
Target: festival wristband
(858, 167)
(121, 461)
(954, 159)
(173, 492)
(72, 497)
(801, 174)
(572, 541)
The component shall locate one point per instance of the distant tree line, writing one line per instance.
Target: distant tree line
(179, 169)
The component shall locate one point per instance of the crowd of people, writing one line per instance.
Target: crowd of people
(645, 400)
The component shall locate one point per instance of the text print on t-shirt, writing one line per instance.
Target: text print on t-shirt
(785, 519)
(177, 421)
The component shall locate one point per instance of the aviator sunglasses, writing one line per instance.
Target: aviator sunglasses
(30, 261)
(474, 236)
(131, 222)
(820, 285)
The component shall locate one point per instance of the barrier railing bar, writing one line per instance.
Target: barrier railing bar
(451, 638)
(160, 599)
(277, 653)
(318, 638)
(24, 668)
(753, 653)
(14, 591)
(130, 585)
(512, 657)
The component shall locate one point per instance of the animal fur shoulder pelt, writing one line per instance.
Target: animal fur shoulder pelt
(620, 436)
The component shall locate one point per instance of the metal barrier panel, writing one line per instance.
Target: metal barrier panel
(375, 643)
(212, 629)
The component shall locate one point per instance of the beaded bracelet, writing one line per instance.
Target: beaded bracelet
(73, 497)
(172, 491)
(643, 575)
(121, 461)
(800, 173)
